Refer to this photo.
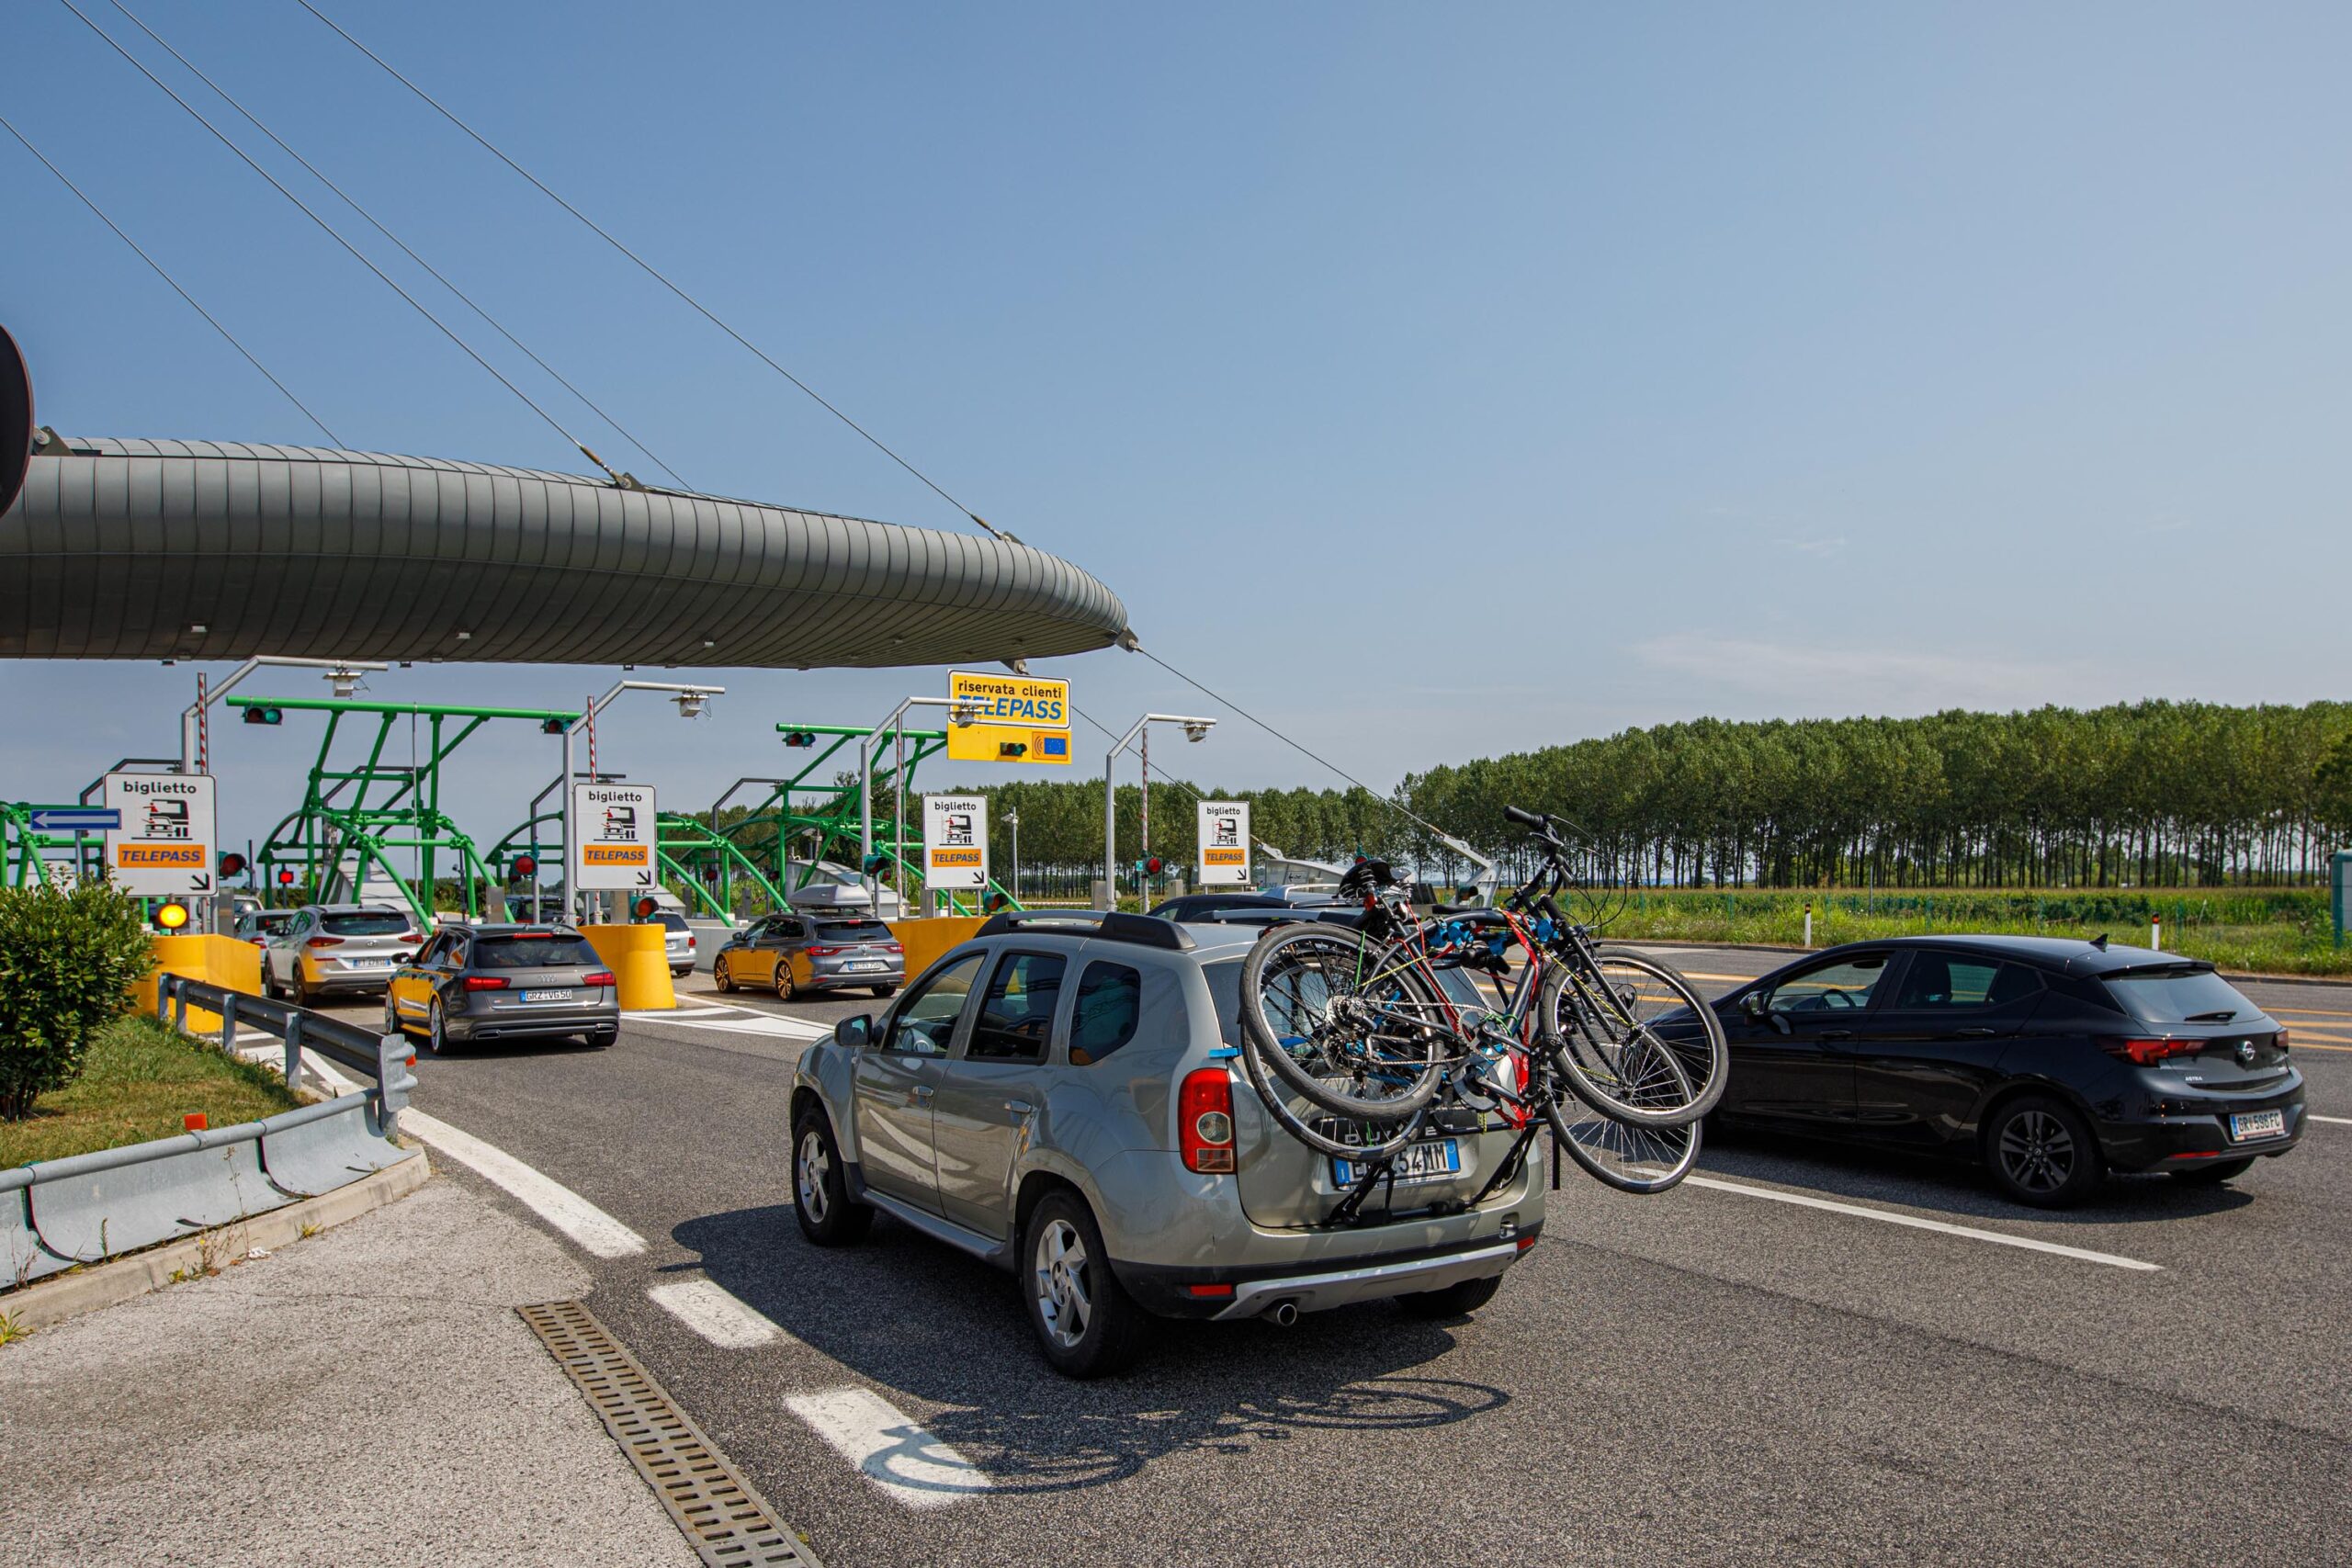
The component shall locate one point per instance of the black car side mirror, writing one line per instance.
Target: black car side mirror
(855, 1031)
(1751, 1007)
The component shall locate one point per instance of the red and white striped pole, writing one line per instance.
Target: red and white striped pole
(203, 729)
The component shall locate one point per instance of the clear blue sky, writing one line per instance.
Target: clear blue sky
(1731, 360)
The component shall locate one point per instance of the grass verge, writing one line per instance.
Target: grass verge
(141, 1079)
(2282, 931)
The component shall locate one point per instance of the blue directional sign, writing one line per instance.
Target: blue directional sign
(76, 819)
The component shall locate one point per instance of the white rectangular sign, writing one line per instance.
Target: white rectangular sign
(166, 844)
(616, 839)
(1224, 843)
(955, 842)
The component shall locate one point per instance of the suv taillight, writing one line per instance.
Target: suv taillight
(324, 942)
(821, 951)
(2148, 1053)
(486, 982)
(600, 977)
(1204, 1121)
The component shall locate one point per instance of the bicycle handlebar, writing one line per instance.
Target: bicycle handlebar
(1524, 819)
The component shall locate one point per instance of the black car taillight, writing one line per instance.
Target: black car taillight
(2148, 1053)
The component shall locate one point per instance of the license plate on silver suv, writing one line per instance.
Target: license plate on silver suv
(1431, 1159)
(2259, 1124)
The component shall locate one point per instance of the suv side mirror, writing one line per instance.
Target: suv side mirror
(854, 1031)
(1751, 1007)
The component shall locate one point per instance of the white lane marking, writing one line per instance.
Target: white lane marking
(888, 1448)
(773, 1028)
(567, 1211)
(1913, 1221)
(677, 1012)
(717, 1314)
(2340, 1120)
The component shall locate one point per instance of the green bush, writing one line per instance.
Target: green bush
(67, 964)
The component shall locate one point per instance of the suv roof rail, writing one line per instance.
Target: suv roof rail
(1145, 931)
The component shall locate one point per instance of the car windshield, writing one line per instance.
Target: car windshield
(2180, 995)
(364, 922)
(533, 950)
(851, 930)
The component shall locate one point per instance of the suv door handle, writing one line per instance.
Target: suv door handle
(1019, 1107)
(1835, 1034)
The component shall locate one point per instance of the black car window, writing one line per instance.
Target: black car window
(1842, 985)
(533, 950)
(1017, 1009)
(1110, 1004)
(1957, 980)
(924, 1024)
(430, 952)
(2178, 994)
(365, 922)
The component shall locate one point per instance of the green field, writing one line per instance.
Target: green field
(140, 1079)
(2275, 930)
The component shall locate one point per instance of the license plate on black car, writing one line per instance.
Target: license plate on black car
(2259, 1124)
(1431, 1159)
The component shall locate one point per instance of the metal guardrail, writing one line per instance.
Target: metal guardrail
(85, 1208)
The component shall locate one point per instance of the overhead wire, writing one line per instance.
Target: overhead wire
(210, 319)
(357, 255)
(655, 272)
(405, 250)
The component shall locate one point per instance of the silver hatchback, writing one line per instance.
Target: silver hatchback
(1059, 1096)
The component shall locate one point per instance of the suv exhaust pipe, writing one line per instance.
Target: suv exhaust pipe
(1282, 1313)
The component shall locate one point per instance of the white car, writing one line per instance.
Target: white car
(338, 950)
(677, 939)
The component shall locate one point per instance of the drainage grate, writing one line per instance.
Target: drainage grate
(728, 1523)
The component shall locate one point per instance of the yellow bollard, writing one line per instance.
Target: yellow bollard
(926, 940)
(214, 960)
(640, 965)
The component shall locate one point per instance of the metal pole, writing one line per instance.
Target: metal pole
(570, 878)
(898, 814)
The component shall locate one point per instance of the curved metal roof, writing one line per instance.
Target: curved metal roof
(119, 549)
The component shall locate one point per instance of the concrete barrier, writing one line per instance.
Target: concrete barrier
(926, 940)
(91, 1206)
(639, 957)
(22, 1256)
(322, 1147)
(220, 961)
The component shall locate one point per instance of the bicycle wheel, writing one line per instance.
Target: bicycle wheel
(1348, 1024)
(1603, 1021)
(1623, 1154)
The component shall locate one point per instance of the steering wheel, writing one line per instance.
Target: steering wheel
(1834, 999)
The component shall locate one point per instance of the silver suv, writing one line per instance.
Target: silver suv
(337, 949)
(1059, 1096)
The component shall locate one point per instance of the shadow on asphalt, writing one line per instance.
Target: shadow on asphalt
(910, 1314)
(1919, 1181)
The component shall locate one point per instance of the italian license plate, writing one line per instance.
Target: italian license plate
(2259, 1124)
(547, 996)
(866, 967)
(1431, 1159)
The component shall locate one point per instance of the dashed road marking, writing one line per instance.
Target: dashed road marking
(2338, 1121)
(1915, 1222)
(715, 1313)
(595, 1230)
(915, 1468)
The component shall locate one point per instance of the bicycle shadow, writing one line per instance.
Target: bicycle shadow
(1918, 1180)
(907, 1313)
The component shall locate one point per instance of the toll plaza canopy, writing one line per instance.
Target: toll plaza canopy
(197, 549)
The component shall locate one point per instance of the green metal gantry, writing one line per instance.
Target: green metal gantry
(327, 830)
(23, 862)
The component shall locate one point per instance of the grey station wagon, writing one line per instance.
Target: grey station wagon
(1059, 1096)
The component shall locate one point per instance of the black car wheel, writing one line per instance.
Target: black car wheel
(884, 992)
(1086, 1323)
(784, 986)
(2212, 1173)
(1458, 1300)
(820, 1199)
(2041, 1153)
(437, 1030)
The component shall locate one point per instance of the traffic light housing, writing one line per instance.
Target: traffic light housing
(1149, 866)
(643, 908)
(1012, 751)
(874, 863)
(800, 737)
(286, 877)
(551, 726)
(232, 864)
(265, 716)
(171, 915)
(524, 868)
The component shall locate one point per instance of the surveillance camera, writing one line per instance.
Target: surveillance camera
(1196, 732)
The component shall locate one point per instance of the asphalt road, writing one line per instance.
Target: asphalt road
(1715, 1374)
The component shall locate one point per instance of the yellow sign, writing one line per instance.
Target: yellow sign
(189, 857)
(1020, 702)
(1000, 743)
(1214, 857)
(615, 855)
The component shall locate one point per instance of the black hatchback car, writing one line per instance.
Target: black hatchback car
(2052, 1062)
(504, 982)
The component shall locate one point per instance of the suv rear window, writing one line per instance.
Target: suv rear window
(851, 930)
(524, 951)
(670, 919)
(2179, 995)
(1110, 1004)
(365, 922)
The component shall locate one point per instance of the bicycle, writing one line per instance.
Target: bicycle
(1372, 1024)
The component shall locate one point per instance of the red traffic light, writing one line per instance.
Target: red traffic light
(232, 864)
(1151, 865)
(526, 867)
(286, 877)
(645, 907)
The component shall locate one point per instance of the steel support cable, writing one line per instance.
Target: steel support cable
(377, 224)
(359, 256)
(214, 322)
(654, 271)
